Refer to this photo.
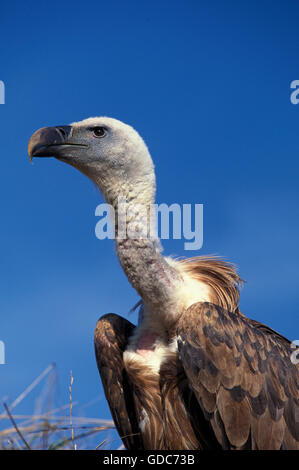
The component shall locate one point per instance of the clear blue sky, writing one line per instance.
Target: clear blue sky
(207, 84)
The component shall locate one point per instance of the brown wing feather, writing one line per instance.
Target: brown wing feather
(242, 375)
(147, 401)
(185, 426)
(110, 338)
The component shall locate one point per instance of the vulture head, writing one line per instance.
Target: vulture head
(108, 151)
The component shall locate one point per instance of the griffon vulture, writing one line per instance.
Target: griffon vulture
(195, 373)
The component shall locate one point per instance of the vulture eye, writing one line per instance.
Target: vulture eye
(99, 131)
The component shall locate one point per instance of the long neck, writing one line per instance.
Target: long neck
(137, 243)
(138, 250)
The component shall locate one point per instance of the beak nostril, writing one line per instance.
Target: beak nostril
(62, 131)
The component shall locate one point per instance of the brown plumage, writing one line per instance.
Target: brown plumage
(135, 394)
(230, 384)
(242, 376)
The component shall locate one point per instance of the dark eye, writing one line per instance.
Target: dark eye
(99, 131)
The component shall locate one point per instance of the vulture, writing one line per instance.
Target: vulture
(195, 373)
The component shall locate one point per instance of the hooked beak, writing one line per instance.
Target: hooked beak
(51, 142)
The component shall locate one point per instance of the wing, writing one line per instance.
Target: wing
(243, 378)
(110, 338)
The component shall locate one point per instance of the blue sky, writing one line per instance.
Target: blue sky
(207, 84)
